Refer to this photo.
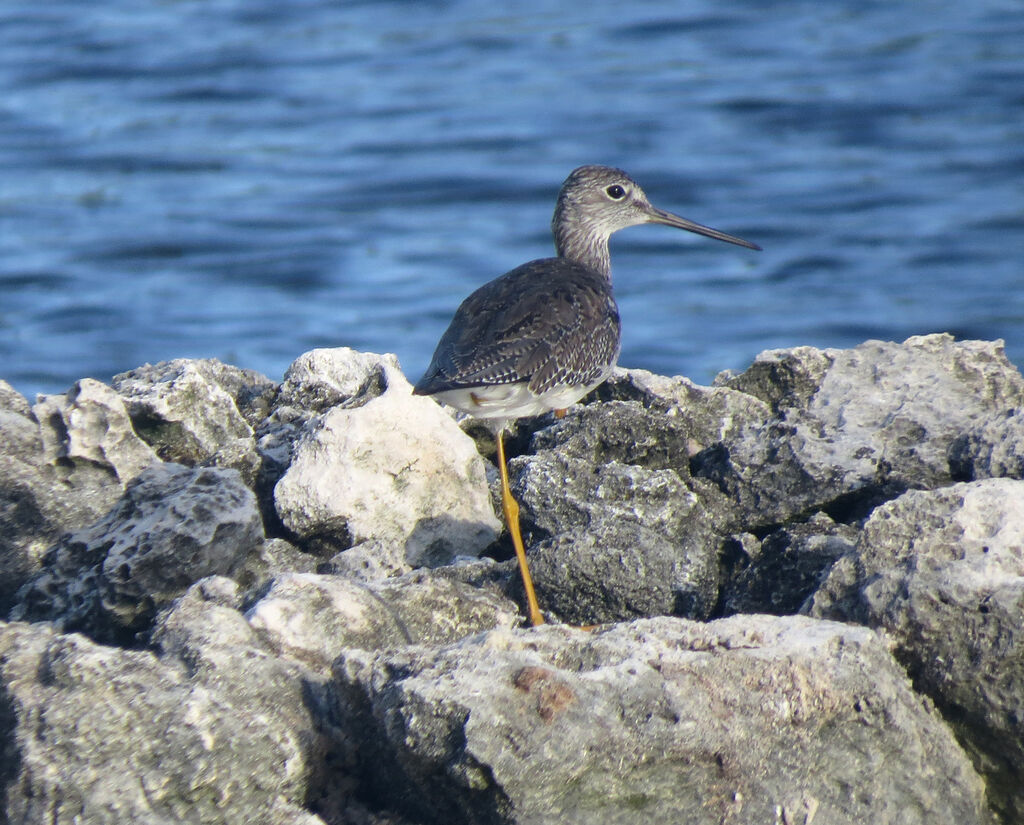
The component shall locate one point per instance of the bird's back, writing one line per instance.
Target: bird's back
(547, 324)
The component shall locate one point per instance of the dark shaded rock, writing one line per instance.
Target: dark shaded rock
(619, 431)
(619, 527)
(198, 412)
(173, 526)
(784, 378)
(619, 571)
(992, 449)
(744, 720)
(779, 573)
(623, 541)
(942, 571)
(27, 523)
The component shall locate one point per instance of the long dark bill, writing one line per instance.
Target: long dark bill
(667, 218)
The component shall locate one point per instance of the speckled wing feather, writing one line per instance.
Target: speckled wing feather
(548, 322)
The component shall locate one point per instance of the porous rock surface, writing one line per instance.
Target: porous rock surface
(291, 622)
(942, 572)
(197, 412)
(63, 463)
(660, 720)
(173, 526)
(96, 734)
(852, 428)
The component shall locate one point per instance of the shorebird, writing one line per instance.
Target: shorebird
(543, 335)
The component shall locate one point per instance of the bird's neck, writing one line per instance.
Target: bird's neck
(583, 244)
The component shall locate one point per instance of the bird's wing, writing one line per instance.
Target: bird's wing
(547, 322)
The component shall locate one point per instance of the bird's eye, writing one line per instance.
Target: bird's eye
(615, 192)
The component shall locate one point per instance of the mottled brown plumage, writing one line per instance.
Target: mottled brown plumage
(545, 323)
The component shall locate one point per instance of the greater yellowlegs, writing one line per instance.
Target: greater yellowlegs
(542, 336)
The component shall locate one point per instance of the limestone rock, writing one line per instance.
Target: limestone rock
(311, 618)
(316, 381)
(744, 720)
(616, 531)
(857, 427)
(90, 451)
(27, 518)
(64, 463)
(89, 428)
(779, 573)
(785, 378)
(173, 526)
(942, 572)
(991, 449)
(395, 468)
(707, 415)
(323, 378)
(193, 412)
(96, 734)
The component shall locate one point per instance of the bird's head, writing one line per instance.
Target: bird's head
(596, 201)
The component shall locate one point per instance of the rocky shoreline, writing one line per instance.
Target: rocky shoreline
(235, 600)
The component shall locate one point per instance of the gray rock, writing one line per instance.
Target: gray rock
(65, 462)
(857, 427)
(97, 735)
(370, 560)
(27, 519)
(173, 526)
(624, 432)
(88, 429)
(783, 378)
(625, 541)
(232, 652)
(616, 531)
(314, 383)
(395, 468)
(323, 378)
(90, 451)
(661, 498)
(744, 720)
(274, 557)
(309, 618)
(942, 572)
(194, 412)
(619, 571)
(707, 415)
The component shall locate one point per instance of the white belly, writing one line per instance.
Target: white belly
(513, 400)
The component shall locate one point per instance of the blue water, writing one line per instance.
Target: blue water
(248, 180)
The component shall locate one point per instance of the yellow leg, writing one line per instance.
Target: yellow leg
(511, 508)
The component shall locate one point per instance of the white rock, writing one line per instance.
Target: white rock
(395, 468)
(325, 377)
